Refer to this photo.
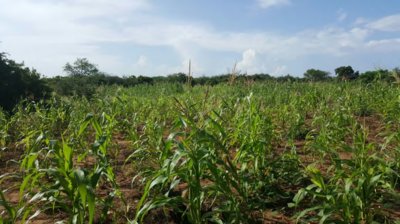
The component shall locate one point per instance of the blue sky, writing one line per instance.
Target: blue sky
(158, 37)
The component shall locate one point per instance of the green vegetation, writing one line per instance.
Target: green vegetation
(259, 152)
(316, 75)
(82, 78)
(346, 73)
(258, 149)
(18, 82)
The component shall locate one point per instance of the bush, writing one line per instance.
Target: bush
(19, 82)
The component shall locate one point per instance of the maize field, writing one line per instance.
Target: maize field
(265, 152)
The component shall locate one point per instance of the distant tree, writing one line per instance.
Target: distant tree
(377, 75)
(346, 73)
(316, 75)
(81, 67)
(70, 85)
(261, 77)
(19, 82)
(130, 81)
(83, 78)
(145, 80)
(287, 78)
(177, 77)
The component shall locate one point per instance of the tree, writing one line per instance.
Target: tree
(346, 73)
(316, 75)
(177, 77)
(82, 79)
(145, 80)
(287, 78)
(81, 67)
(377, 75)
(18, 82)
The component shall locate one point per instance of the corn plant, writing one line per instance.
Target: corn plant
(349, 196)
(201, 157)
(223, 153)
(69, 187)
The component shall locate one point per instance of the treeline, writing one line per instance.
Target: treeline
(64, 84)
(82, 78)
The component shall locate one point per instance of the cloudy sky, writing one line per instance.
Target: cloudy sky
(158, 37)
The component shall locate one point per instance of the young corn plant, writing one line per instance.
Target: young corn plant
(351, 193)
(64, 185)
(71, 189)
(182, 162)
(4, 136)
(14, 213)
(203, 159)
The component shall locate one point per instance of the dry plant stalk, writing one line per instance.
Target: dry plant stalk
(233, 75)
(189, 76)
(396, 75)
(249, 81)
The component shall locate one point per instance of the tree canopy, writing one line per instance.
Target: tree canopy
(81, 67)
(346, 73)
(17, 82)
(316, 75)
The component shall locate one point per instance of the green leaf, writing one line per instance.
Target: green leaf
(33, 216)
(83, 194)
(375, 179)
(85, 123)
(91, 205)
(24, 184)
(97, 127)
(348, 184)
(79, 176)
(299, 196)
(158, 180)
(67, 153)
(7, 206)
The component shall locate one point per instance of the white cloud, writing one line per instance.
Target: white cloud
(341, 15)
(330, 40)
(51, 33)
(196, 69)
(47, 33)
(388, 23)
(360, 21)
(142, 61)
(271, 3)
(386, 45)
(279, 70)
(248, 60)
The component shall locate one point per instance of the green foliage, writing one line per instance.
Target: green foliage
(346, 73)
(375, 76)
(81, 67)
(177, 78)
(60, 182)
(356, 185)
(316, 75)
(74, 86)
(203, 160)
(163, 152)
(18, 82)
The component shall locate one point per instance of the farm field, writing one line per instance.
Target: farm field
(270, 152)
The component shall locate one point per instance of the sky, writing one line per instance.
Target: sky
(159, 37)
